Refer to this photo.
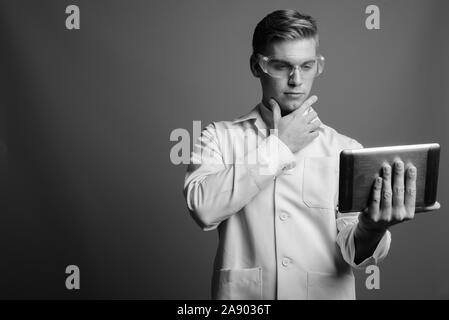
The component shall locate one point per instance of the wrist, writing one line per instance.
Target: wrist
(370, 231)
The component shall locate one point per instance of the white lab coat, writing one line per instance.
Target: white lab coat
(280, 236)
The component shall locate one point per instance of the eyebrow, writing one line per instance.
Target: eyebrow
(307, 60)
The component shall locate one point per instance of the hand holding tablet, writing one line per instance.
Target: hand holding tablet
(398, 181)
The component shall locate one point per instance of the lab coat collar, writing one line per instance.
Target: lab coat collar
(256, 115)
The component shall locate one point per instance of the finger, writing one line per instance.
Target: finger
(398, 184)
(313, 126)
(385, 202)
(305, 106)
(276, 112)
(312, 135)
(410, 189)
(374, 204)
(310, 116)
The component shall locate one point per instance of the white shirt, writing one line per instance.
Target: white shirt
(280, 235)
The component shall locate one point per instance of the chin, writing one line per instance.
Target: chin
(287, 110)
(290, 107)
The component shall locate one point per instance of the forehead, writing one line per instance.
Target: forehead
(301, 48)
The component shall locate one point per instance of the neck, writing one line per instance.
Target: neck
(267, 114)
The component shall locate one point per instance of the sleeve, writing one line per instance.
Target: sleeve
(215, 189)
(346, 225)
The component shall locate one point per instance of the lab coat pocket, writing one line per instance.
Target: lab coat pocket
(319, 183)
(239, 284)
(322, 286)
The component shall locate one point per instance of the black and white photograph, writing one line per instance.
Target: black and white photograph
(224, 150)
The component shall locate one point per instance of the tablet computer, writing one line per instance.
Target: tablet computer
(359, 168)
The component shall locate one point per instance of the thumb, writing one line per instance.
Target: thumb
(435, 206)
(276, 112)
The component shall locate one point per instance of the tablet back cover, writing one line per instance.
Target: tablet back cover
(359, 168)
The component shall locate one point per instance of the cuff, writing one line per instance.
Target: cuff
(378, 255)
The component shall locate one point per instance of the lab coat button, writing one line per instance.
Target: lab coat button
(285, 262)
(284, 216)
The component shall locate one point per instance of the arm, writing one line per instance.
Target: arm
(360, 246)
(366, 242)
(359, 249)
(215, 190)
(392, 201)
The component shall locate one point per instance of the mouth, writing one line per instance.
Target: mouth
(294, 94)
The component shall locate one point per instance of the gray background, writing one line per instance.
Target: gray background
(86, 117)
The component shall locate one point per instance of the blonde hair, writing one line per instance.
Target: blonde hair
(283, 25)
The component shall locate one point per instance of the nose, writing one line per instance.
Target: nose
(295, 78)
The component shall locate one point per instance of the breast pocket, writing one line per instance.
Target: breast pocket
(320, 182)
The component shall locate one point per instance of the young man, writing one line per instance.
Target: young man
(280, 236)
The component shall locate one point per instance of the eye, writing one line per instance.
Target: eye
(280, 65)
(308, 65)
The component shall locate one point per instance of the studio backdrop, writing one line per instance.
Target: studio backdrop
(88, 107)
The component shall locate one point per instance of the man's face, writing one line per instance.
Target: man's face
(292, 91)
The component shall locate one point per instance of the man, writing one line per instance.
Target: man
(280, 235)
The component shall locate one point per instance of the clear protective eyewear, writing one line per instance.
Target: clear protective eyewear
(284, 67)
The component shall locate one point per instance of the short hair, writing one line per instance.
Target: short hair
(283, 25)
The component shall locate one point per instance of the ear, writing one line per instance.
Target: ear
(255, 68)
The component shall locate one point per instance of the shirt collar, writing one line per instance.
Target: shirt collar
(253, 114)
(261, 115)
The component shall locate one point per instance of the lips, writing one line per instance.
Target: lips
(294, 94)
